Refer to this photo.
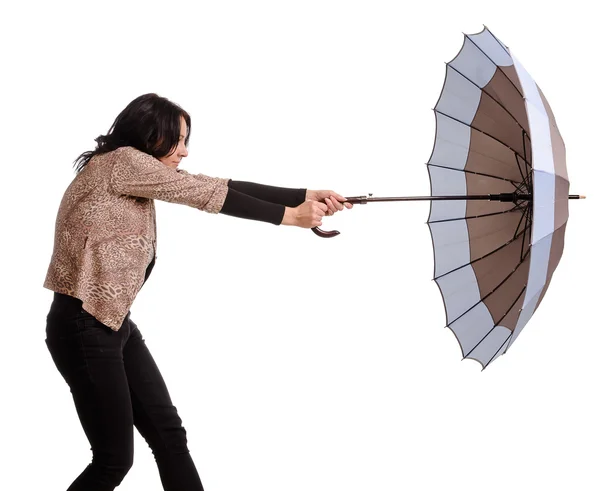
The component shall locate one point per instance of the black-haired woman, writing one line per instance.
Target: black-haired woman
(104, 251)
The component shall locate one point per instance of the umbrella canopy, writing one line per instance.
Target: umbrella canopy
(495, 133)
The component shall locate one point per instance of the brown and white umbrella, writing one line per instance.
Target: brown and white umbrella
(499, 203)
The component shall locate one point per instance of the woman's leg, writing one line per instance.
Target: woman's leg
(156, 418)
(89, 356)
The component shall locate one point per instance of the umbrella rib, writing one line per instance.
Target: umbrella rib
(519, 167)
(494, 63)
(527, 221)
(523, 189)
(519, 225)
(496, 325)
(530, 179)
(489, 95)
(476, 173)
(497, 286)
(525, 149)
(482, 257)
(527, 181)
(480, 131)
(476, 216)
(498, 350)
(527, 226)
(499, 42)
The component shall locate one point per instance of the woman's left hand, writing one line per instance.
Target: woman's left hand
(333, 200)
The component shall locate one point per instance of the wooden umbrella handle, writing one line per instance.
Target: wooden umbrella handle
(354, 200)
(324, 233)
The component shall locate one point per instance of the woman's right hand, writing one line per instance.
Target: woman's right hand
(307, 215)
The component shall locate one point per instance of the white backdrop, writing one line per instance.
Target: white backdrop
(297, 362)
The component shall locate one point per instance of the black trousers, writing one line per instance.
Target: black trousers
(116, 385)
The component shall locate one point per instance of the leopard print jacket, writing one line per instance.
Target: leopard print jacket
(105, 233)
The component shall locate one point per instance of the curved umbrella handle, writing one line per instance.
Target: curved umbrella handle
(353, 199)
(324, 233)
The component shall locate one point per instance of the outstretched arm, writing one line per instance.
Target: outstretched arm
(284, 196)
(277, 205)
(136, 173)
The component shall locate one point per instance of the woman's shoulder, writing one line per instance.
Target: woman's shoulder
(128, 150)
(124, 155)
(134, 154)
(125, 150)
(118, 152)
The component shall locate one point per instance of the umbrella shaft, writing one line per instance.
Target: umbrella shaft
(505, 197)
(487, 197)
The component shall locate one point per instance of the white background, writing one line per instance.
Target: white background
(297, 362)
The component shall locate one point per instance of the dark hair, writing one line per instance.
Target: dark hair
(149, 123)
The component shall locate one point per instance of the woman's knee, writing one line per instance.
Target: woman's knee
(104, 470)
(172, 439)
(115, 469)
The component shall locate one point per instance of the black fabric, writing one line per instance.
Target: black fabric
(254, 201)
(149, 269)
(242, 205)
(283, 196)
(116, 384)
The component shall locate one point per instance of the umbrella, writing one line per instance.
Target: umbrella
(499, 203)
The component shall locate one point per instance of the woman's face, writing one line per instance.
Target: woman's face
(172, 160)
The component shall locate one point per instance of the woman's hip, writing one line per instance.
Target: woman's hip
(80, 345)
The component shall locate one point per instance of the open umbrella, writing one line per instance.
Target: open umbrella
(499, 203)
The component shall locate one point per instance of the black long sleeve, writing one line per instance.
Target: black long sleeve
(283, 196)
(245, 206)
(261, 202)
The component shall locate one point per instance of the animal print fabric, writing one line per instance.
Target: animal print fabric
(105, 233)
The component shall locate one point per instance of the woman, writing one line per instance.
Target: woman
(104, 251)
